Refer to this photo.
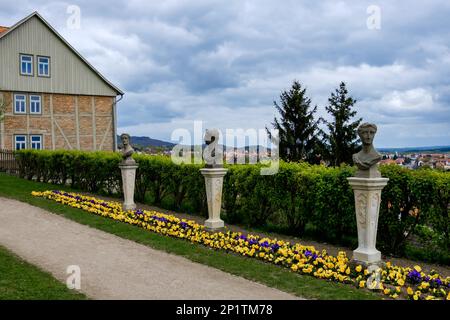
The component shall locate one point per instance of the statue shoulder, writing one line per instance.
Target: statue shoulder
(378, 155)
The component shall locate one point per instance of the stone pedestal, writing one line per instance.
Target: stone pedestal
(367, 206)
(128, 182)
(214, 183)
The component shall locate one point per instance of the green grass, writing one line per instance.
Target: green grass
(20, 280)
(255, 270)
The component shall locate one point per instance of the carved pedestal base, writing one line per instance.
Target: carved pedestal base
(367, 206)
(213, 183)
(128, 181)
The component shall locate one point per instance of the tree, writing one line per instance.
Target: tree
(297, 128)
(341, 139)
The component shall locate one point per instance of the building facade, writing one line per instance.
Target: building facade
(52, 97)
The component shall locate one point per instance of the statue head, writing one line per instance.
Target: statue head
(125, 137)
(366, 132)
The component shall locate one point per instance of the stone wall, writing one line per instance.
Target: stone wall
(66, 122)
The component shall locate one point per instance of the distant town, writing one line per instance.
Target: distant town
(417, 160)
(437, 157)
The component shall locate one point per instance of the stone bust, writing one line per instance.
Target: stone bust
(367, 159)
(127, 151)
(211, 141)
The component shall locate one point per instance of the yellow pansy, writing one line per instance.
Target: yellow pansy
(424, 285)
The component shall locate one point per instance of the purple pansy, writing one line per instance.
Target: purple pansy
(414, 276)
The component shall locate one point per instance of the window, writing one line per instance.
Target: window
(43, 66)
(20, 102)
(20, 141)
(36, 142)
(35, 104)
(26, 65)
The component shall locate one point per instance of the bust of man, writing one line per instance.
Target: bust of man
(367, 159)
(127, 149)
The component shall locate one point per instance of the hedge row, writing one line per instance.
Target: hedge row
(301, 199)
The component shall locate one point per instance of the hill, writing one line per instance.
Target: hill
(147, 142)
(434, 149)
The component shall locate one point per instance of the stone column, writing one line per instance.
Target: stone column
(367, 206)
(214, 183)
(128, 181)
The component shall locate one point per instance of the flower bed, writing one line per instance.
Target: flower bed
(393, 281)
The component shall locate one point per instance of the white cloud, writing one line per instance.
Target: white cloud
(412, 100)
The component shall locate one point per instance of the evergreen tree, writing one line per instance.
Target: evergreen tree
(341, 139)
(296, 126)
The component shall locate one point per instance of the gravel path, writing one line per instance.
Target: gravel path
(112, 267)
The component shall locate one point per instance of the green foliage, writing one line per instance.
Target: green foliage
(90, 171)
(296, 127)
(341, 137)
(301, 199)
(410, 199)
(428, 246)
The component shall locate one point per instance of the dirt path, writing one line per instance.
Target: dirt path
(112, 267)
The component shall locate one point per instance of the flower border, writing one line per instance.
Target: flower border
(392, 281)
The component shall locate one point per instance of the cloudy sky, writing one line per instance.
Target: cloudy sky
(225, 62)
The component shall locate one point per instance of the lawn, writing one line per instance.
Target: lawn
(268, 274)
(20, 280)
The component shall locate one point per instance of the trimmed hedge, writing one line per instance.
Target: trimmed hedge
(302, 199)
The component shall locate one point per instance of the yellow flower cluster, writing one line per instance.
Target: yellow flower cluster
(392, 281)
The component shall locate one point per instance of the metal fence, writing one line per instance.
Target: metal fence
(8, 161)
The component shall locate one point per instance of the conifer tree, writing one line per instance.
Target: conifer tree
(341, 139)
(297, 128)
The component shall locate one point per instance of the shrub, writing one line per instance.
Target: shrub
(90, 171)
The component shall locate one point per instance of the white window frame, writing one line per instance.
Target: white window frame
(24, 103)
(28, 62)
(21, 142)
(34, 102)
(47, 75)
(32, 142)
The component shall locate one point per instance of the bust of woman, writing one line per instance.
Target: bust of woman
(127, 151)
(366, 160)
